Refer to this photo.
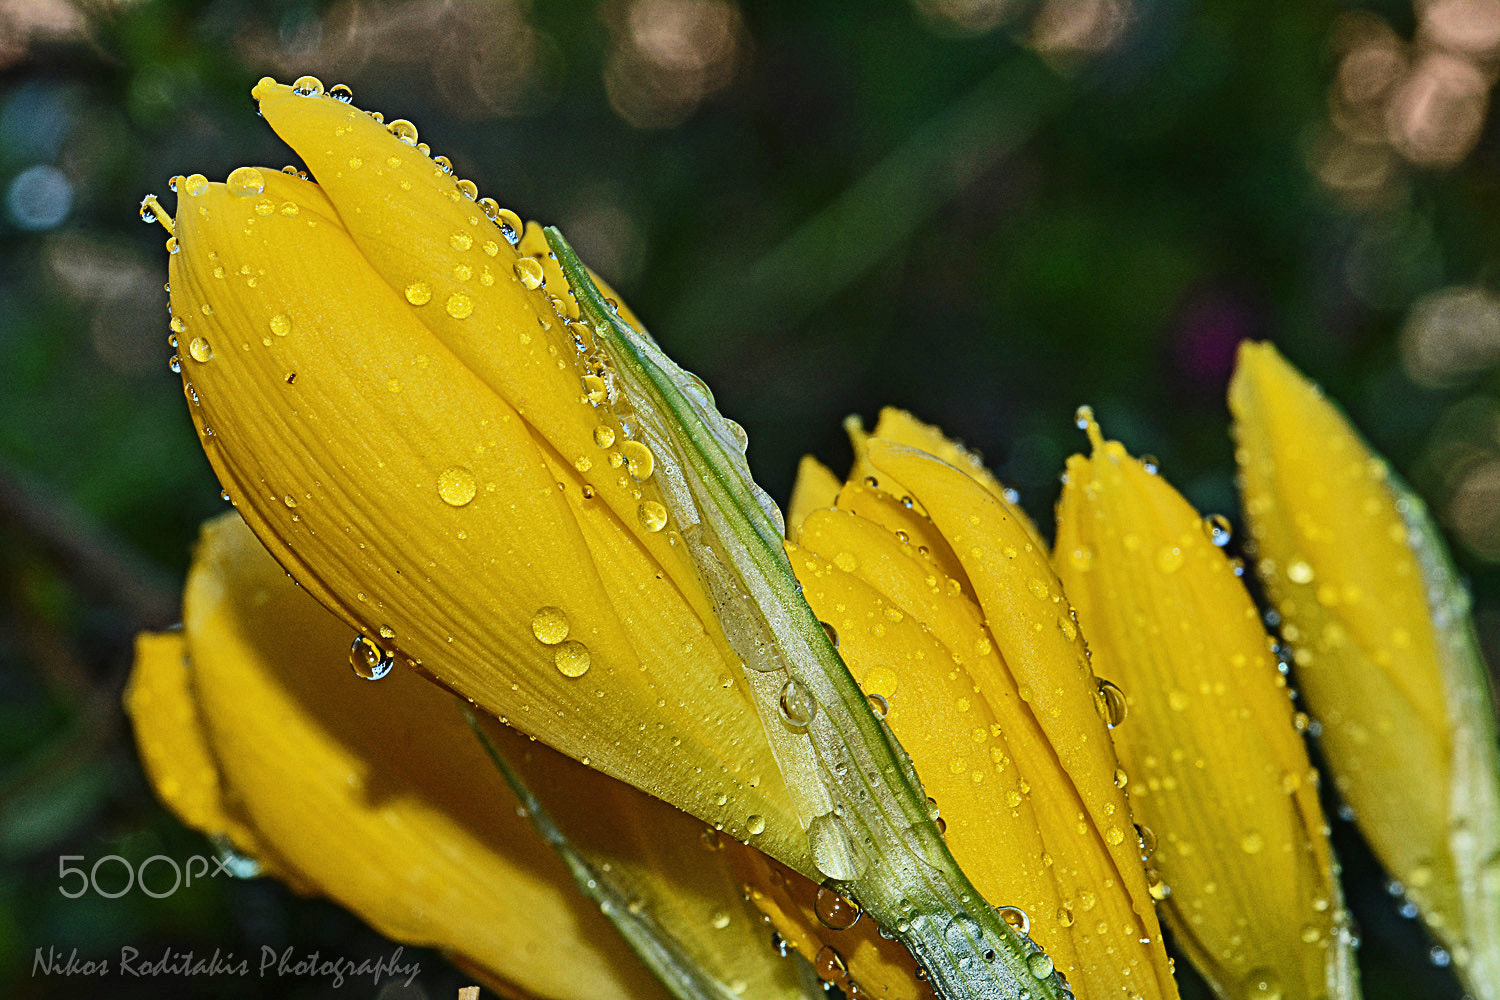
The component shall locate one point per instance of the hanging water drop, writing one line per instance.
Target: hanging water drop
(369, 660)
(1110, 701)
(834, 911)
(529, 271)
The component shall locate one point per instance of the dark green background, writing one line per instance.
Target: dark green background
(874, 210)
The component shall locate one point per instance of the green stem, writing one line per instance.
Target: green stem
(861, 802)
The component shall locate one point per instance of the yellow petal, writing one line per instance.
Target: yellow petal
(409, 495)
(816, 487)
(1216, 768)
(1360, 582)
(334, 775)
(333, 778)
(829, 931)
(901, 427)
(173, 744)
(1028, 813)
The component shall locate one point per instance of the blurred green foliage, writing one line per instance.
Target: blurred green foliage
(872, 207)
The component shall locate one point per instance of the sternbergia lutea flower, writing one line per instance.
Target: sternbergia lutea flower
(1384, 652)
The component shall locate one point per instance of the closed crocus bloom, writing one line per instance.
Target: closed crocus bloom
(381, 797)
(1384, 651)
(401, 406)
(954, 624)
(1218, 776)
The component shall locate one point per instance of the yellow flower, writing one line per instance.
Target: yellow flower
(424, 440)
(1218, 775)
(253, 728)
(951, 619)
(1384, 651)
(457, 444)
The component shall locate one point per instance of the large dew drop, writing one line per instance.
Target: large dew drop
(834, 911)
(549, 625)
(572, 659)
(456, 486)
(639, 460)
(368, 659)
(529, 271)
(245, 182)
(833, 849)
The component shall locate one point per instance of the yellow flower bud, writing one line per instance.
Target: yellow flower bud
(1218, 777)
(435, 450)
(950, 618)
(252, 728)
(1385, 654)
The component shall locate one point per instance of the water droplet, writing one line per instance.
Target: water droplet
(1252, 842)
(1218, 529)
(1150, 464)
(549, 625)
(832, 633)
(172, 245)
(199, 349)
(403, 130)
(307, 86)
(419, 293)
(175, 364)
(755, 824)
(1016, 918)
(595, 389)
(1065, 915)
(1083, 417)
(194, 185)
(529, 271)
(830, 965)
(834, 852)
(1040, 964)
(468, 189)
(341, 92)
(834, 911)
(1169, 559)
(639, 461)
(510, 226)
(604, 435)
(281, 325)
(148, 209)
(1110, 701)
(1121, 778)
(1261, 984)
(878, 705)
(652, 515)
(719, 920)
(459, 305)
(797, 704)
(571, 659)
(368, 659)
(245, 182)
(456, 486)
